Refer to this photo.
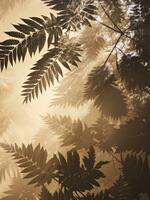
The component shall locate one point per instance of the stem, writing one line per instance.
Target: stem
(109, 27)
(115, 25)
(112, 50)
(117, 159)
(112, 21)
(121, 51)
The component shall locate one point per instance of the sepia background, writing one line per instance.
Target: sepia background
(64, 109)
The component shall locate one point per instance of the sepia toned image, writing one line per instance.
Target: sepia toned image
(75, 100)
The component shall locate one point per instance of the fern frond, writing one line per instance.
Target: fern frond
(115, 9)
(103, 130)
(49, 68)
(77, 177)
(7, 168)
(33, 162)
(73, 95)
(121, 190)
(92, 41)
(30, 36)
(136, 170)
(71, 133)
(19, 189)
(107, 96)
(73, 14)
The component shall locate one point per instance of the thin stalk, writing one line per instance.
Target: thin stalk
(117, 159)
(112, 21)
(115, 25)
(109, 27)
(114, 47)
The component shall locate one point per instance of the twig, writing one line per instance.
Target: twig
(112, 49)
(121, 51)
(109, 27)
(119, 30)
(112, 21)
(117, 159)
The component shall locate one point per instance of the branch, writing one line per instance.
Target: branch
(119, 30)
(112, 21)
(109, 27)
(112, 49)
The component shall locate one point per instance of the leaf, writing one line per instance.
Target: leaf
(73, 14)
(20, 188)
(89, 161)
(15, 34)
(121, 189)
(136, 171)
(33, 162)
(77, 177)
(71, 133)
(9, 42)
(107, 96)
(46, 70)
(29, 36)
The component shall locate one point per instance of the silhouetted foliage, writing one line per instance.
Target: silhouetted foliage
(71, 133)
(122, 130)
(21, 190)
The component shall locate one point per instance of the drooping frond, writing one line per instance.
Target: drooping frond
(92, 41)
(136, 170)
(33, 162)
(74, 92)
(73, 14)
(71, 133)
(30, 36)
(49, 68)
(121, 190)
(7, 168)
(107, 96)
(103, 130)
